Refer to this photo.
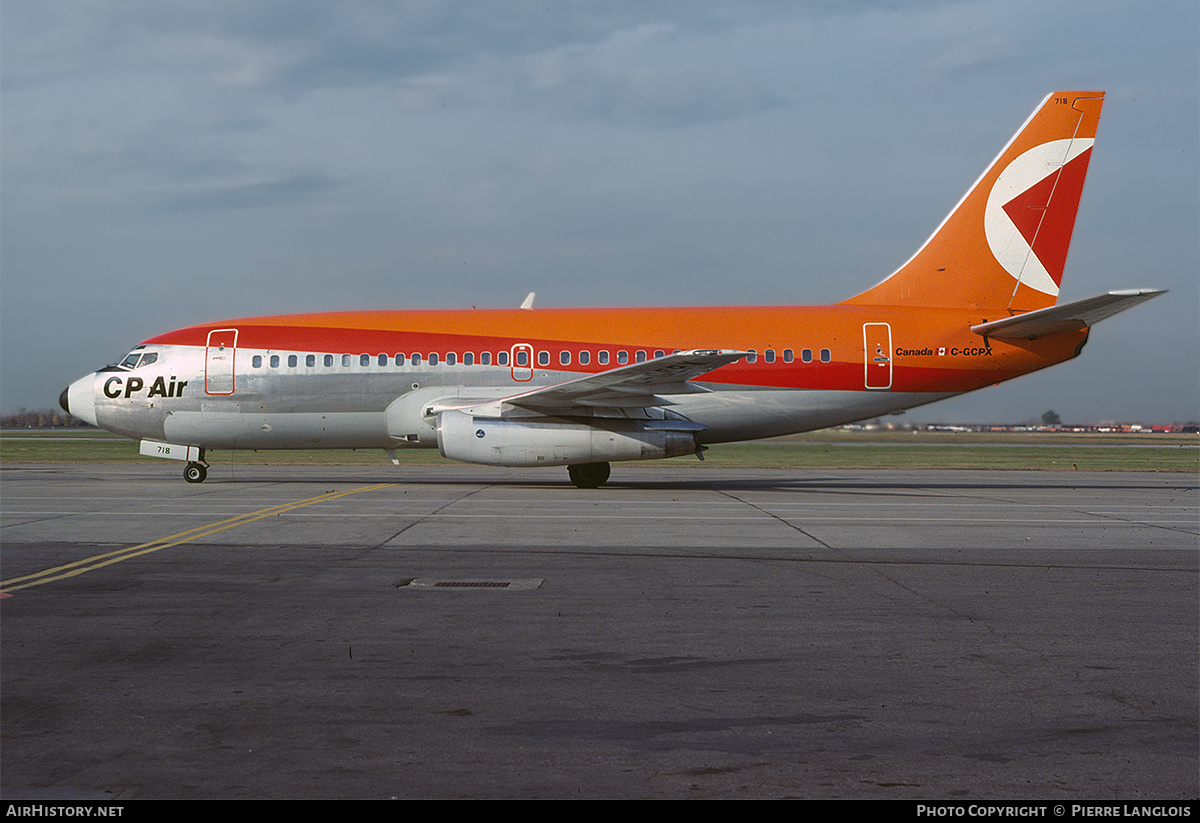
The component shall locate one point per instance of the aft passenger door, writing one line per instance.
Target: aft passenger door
(877, 353)
(219, 361)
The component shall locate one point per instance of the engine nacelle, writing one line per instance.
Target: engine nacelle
(557, 441)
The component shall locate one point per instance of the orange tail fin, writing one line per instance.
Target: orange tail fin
(1005, 243)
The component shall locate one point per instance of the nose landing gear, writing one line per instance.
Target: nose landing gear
(195, 472)
(197, 467)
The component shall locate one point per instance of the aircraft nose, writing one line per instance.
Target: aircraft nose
(79, 400)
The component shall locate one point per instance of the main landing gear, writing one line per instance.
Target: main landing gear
(588, 475)
(195, 472)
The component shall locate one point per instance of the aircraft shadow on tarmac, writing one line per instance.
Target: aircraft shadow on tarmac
(729, 480)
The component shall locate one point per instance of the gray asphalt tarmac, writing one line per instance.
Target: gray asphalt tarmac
(684, 632)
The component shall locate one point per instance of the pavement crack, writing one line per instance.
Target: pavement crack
(431, 514)
(774, 516)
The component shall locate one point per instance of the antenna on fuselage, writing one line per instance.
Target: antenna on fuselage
(527, 303)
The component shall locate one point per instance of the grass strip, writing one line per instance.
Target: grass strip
(828, 449)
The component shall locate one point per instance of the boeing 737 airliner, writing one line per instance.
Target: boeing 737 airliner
(584, 387)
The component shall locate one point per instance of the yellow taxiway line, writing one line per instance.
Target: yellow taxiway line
(101, 560)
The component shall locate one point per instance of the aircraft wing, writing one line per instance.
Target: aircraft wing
(1068, 317)
(634, 386)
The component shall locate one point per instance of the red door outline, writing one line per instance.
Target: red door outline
(219, 356)
(877, 356)
(522, 374)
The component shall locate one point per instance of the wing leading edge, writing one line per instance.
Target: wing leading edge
(638, 385)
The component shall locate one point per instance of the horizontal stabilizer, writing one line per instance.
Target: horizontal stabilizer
(1069, 317)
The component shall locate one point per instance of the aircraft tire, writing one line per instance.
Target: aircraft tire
(589, 475)
(195, 472)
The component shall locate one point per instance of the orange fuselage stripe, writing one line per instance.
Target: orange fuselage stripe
(931, 349)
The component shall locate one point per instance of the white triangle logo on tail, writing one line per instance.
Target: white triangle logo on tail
(1031, 211)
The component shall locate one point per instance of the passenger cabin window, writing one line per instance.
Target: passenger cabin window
(485, 358)
(399, 359)
(328, 361)
(806, 355)
(416, 359)
(522, 358)
(826, 355)
(585, 357)
(468, 358)
(382, 360)
(640, 356)
(622, 357)
(564, 358)
(292, 361)
(502, 358)
(433, 358)
(602, 358)
(752, 357)
(256, 361)
(274, 361)
(769, 355)
(451, 358)
(543, 358)
(345, 361)
(788, 356)
(364, 360)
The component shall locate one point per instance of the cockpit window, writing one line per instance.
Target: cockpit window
(137, 358)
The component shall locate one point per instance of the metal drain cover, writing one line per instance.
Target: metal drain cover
(526, 584)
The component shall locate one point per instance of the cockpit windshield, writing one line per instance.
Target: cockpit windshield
(138, 357)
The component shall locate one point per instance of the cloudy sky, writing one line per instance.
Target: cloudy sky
(168, 163)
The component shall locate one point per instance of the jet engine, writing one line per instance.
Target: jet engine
(560, 441)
